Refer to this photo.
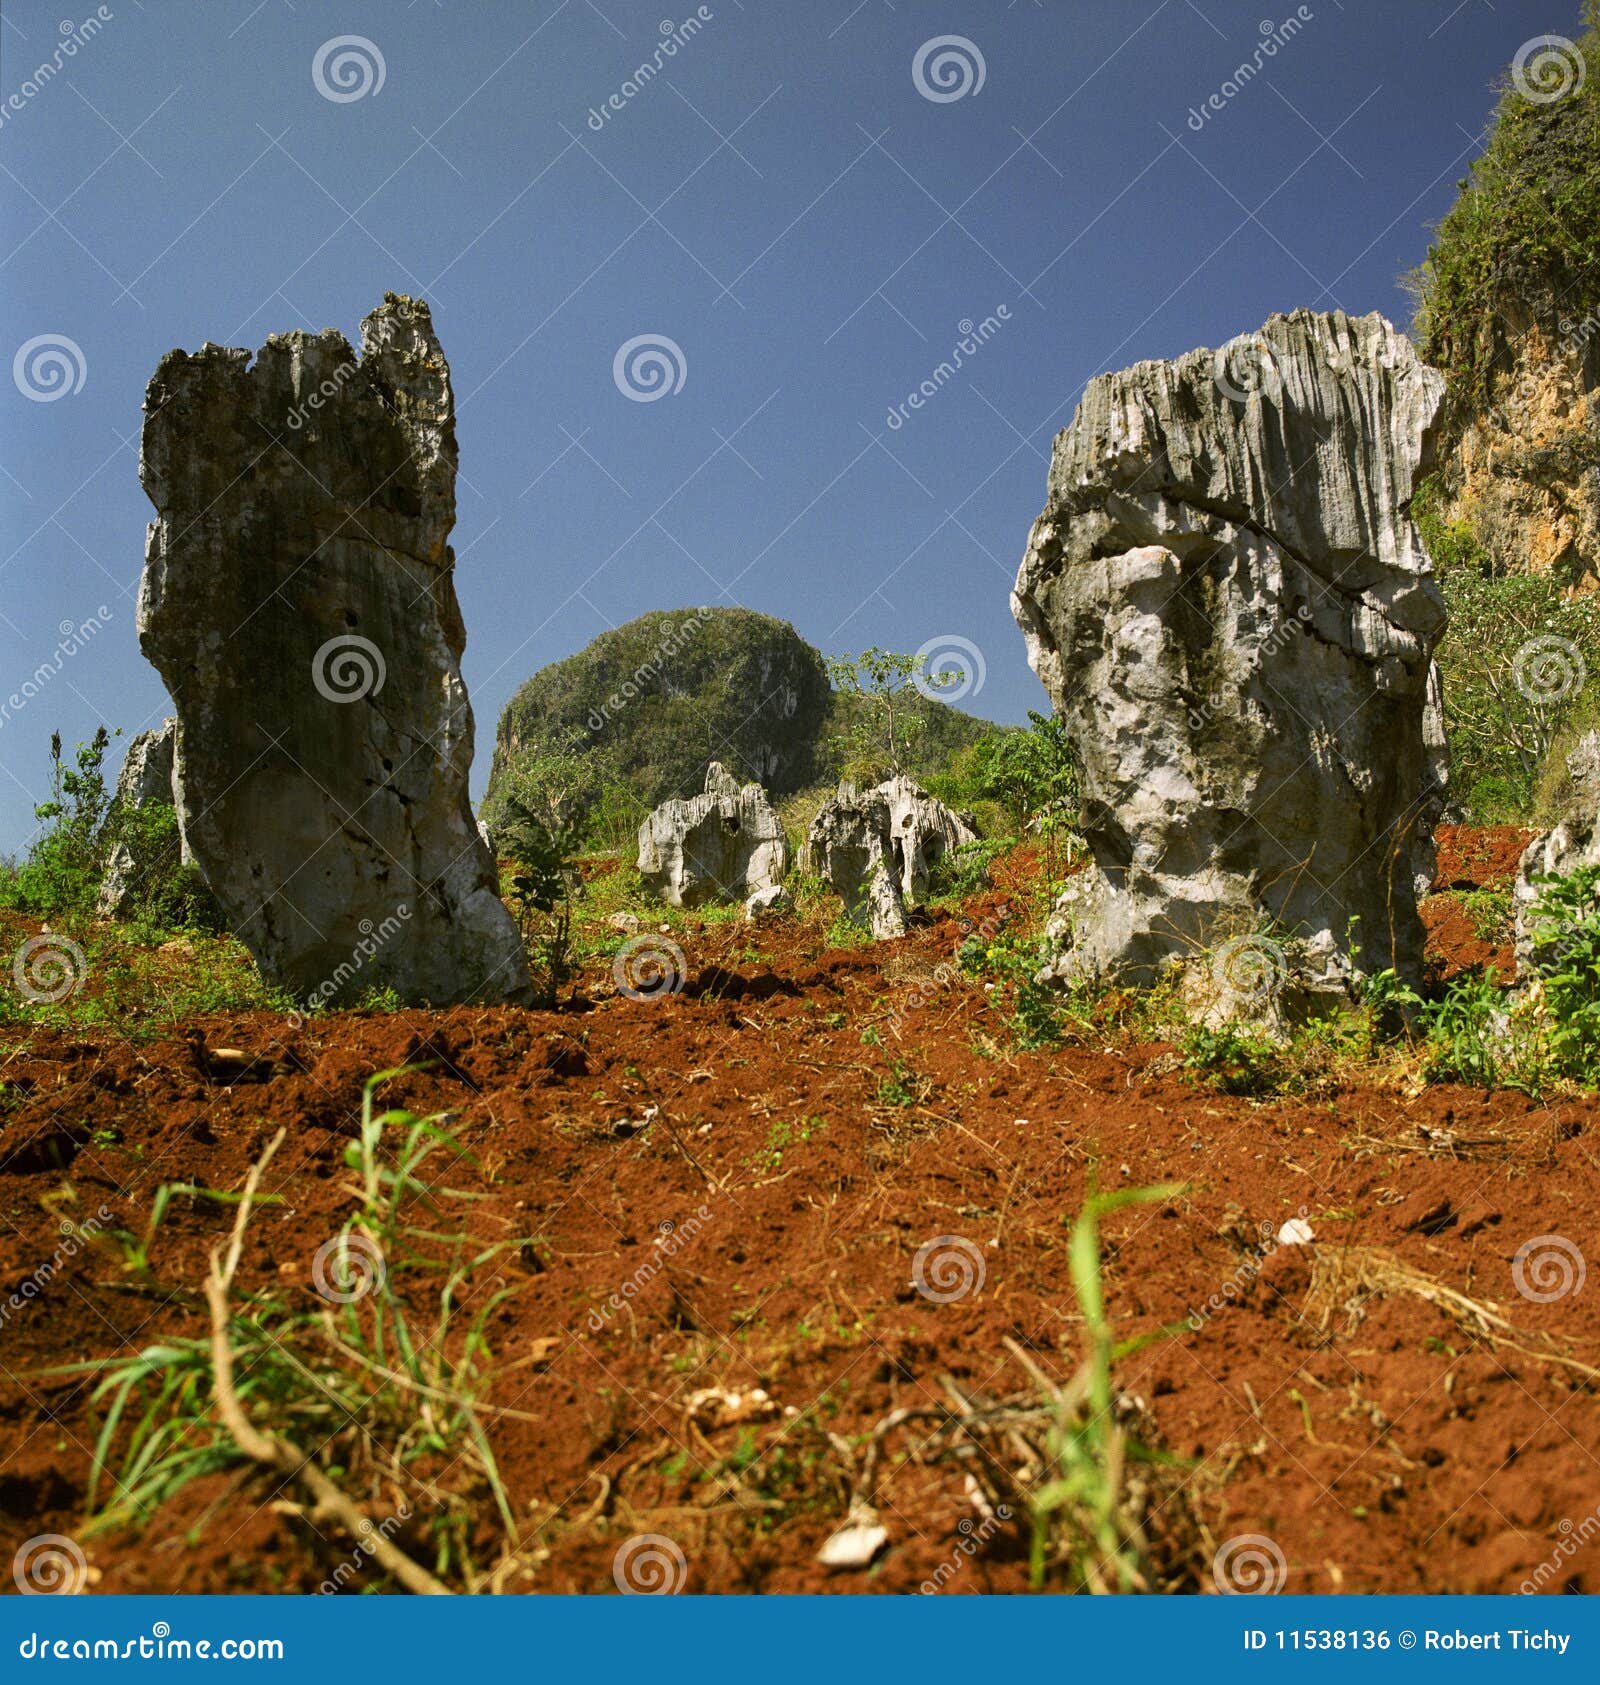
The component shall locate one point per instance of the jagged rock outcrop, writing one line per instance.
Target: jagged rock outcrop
(298, 601)
(1560, 851)
(851, 845)
(922, 830)
(1231, 608)
(723, 845)
(146, 780)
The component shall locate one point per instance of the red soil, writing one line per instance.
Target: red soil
(1381, 1442)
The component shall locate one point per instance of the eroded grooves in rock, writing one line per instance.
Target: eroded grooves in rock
(726, 844)
(298, 601)
(1233, 612)
(146, 780)
(922, 830)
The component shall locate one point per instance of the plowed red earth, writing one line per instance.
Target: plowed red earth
(1373, 1433)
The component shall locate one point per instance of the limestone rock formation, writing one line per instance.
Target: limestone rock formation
(146, 780)
(922, 831)
(298, 601)
(1232, 610)
(723, 845)
(851, 844)
(1574, 842)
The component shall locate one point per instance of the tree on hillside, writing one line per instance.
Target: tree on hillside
(878, 736)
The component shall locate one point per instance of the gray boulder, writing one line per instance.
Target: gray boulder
(1233, 612)
(1559, 852)
(851, 845)
(723, 845)
(922, 831)
(146, 781)
(298, 600)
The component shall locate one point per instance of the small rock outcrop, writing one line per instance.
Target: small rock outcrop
(298, 600)
(726, 844)
(1574, 842)
(1233, 612)
(851, 845)
(146, 780)
(922, 831)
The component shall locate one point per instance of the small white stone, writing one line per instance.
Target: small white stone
(1296, 1232)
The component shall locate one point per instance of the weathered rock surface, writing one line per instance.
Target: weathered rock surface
(851, 844)
(298, 601)
(1234, 614)
(146, 780)
(922, 831)
(723, 845)
(1572, 843)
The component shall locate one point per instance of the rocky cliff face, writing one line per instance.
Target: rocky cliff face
(1524, 472)
(297, 599)
(1234, 615)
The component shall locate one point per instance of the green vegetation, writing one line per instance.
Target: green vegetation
(879, 725)
(1522, 242)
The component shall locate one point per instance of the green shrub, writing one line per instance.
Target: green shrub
(1566, 940)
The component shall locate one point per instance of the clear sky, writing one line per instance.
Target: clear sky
(783, 202)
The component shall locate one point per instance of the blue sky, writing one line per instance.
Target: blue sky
(783, 203)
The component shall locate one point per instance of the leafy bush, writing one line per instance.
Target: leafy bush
(62, 872)
(1566, 942)
(1511, 661)
(1232, 1058)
